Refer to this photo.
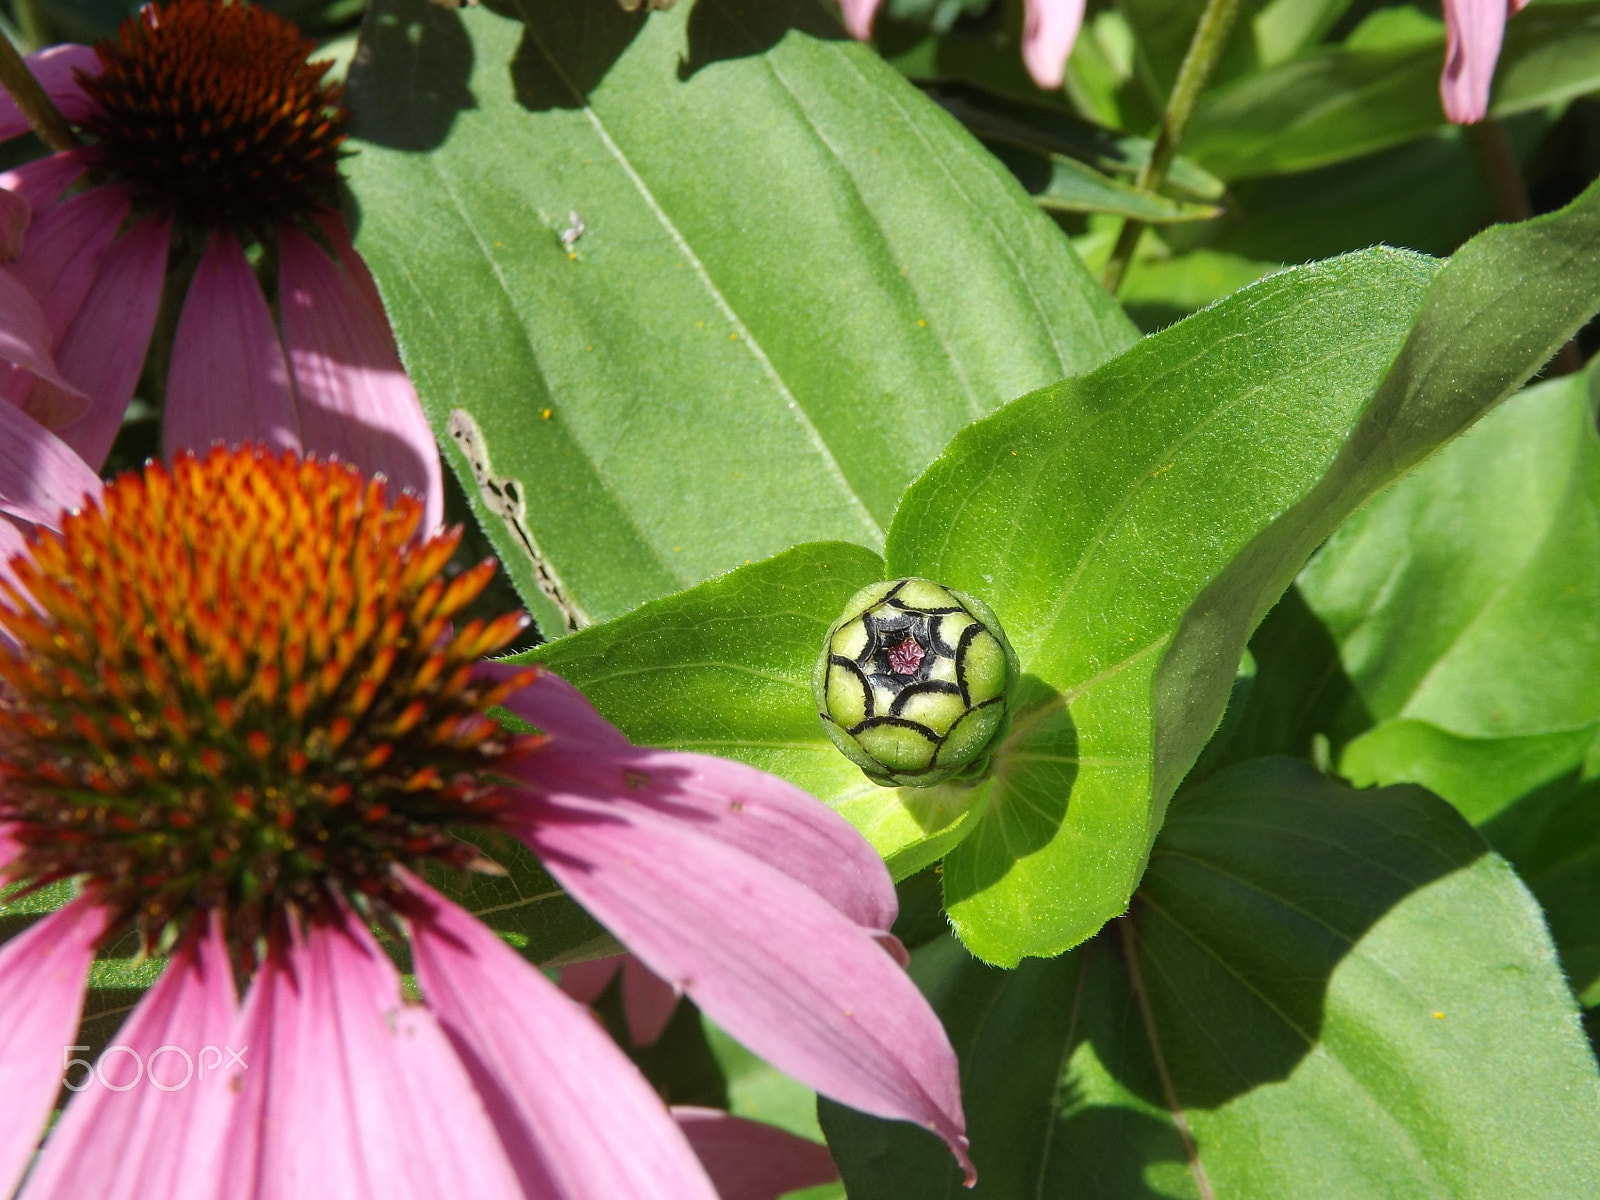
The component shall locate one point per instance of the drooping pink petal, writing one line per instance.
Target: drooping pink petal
(1474, 31)
(858, 16)
(767, 958)
(25, 341)
(43, 971)
(552, 705)
(648, 1002)
(350, 1091)
(1049, 28)
(228, 380)
(585, 981)
(61, 258)
(43, 181)
(40, 475)
(759, 813)
(15, 215)
(146, 1128)
(56, 69)
(333, 228)
(579, 1120)
(751, 1161)
(355, 400)
(9, 846)
(104, 350)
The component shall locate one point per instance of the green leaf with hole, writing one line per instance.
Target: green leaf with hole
(675, 287)
(1290, 1009)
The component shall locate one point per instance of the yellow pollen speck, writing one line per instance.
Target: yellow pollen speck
(1439, 1016)
(545, 413)
(921, 324)
(733, 337)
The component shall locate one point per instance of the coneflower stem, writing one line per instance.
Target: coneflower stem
(33, 101)
(1205, 49)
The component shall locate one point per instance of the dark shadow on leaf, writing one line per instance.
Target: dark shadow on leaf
(410, 75)
(1262, 880)
(1034, 1131)
(1552, 837)
(1030, 788)
(1299, 690)
(567, 48)
(726, 29)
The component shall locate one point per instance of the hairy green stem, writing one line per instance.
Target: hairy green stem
(1205, 49)
(32, 100)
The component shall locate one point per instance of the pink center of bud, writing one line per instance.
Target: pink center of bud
(905, 657)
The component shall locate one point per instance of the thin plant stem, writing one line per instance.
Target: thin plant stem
(1205, 49)
(1128, 936)
(33, 101)
(1496, 160)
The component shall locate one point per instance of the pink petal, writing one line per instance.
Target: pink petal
(64, 249)
(355, 399)
(760, 814)
(43, 181)
(25, 338)
(40, 475)
(751, 1161)
(648, 1002)
(350, 1091)
(552, 705)
(586, 981)
(766, 957)
(579, 1120)
(1474, 30)
(9, 847)
(56, 69)
(105, 349)
(858, 16)
(42, 975)
(333, 228)
(156, 1137)
(1049, 28)
(228, 380)
(15, 214)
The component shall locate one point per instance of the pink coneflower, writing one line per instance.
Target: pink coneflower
(648, 1001)
(1049, 28)
(240, 718)
(1474, 30)
(211, 140)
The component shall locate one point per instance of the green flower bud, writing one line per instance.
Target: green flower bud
(913, 682)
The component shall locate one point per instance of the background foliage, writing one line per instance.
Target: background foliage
(1286, 879)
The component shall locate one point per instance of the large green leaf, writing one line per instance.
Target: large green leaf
(1462, 605)
(1382, 87)
(1466, 596)
(756, 340)
(1091, 516)
(1293, 985)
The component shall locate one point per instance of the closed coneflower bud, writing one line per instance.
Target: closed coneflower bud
(913, 681)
